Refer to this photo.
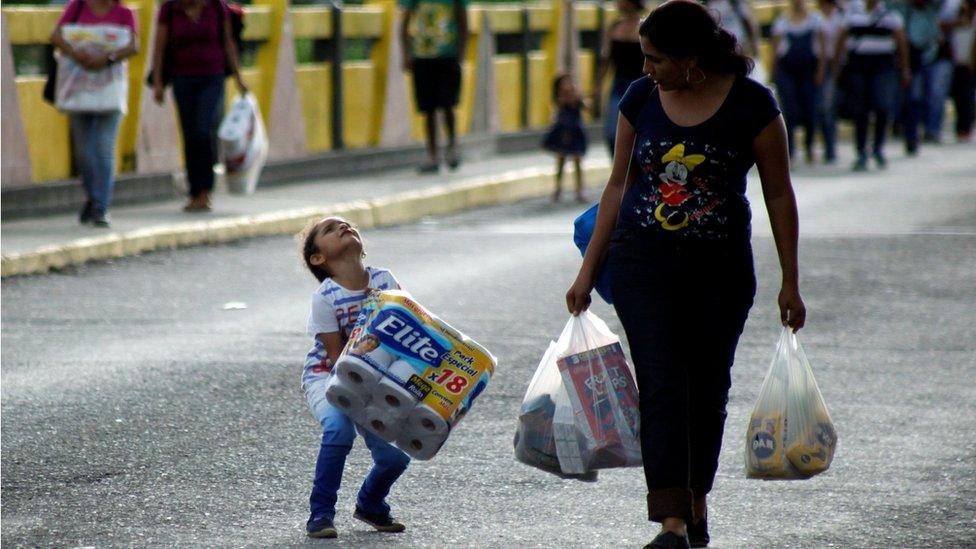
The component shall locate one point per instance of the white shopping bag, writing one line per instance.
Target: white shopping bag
(790, 434)
(243, 145)
(78, 89)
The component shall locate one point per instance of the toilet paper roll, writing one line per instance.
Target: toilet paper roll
(346, 398)
(401, 370)
(393, 398)
(381, 423)
(358, 374)
(421, 447)
(378, 357)
(425, 421)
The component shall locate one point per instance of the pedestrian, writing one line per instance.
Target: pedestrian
(736, 17)
(673, 225)
(924, 36)
(873, 40)
(434, 34)
(195, 49)
(832, 15)
(620, 52)
(94, 134)
(963, 40)
(566, 137)
(333, 252)
(798, 44)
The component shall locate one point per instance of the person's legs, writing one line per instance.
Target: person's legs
(938, 89)
(430, 127)
(808, 107)
(200, 102)
(789, 99)
(827, 117)
(560, 165)
(338, 433)
(611, 113)
(105, 129)
(449, 91)
(83, 147)
(963, 100)
(450, 127)
(580, 196)
(884, 89)
(914, 103)
(388, 464)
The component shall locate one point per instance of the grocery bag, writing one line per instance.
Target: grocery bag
(583, 391)
(78, 89)
(243, 144)
(583, 227)
(790, 434)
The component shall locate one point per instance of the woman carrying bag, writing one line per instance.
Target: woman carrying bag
(95, 131)
(195, 50)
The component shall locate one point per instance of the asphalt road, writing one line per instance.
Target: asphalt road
(137, 411)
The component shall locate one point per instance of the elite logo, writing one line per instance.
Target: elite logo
(404, 335)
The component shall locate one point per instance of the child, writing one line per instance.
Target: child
(333, 252)
(566, 137)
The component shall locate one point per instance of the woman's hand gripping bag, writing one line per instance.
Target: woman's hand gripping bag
(582, 232)
(790, 434)
(587, 388)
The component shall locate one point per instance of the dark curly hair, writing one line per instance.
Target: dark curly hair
(684, 28)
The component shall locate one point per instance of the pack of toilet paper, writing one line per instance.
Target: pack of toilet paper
(406, 375)
(790, 434)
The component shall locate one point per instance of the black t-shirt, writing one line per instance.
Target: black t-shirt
(692, 182)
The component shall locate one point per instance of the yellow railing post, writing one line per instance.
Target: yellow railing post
(129, 129)
(380, 58)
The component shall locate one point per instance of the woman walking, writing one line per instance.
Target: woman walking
(674, 227)
(621, 51)
(195, 48)
(94, 134)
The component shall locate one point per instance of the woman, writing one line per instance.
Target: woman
(673, 228)
(798, 44)
(93, 134)
(621, 51)
(195, 46)
(873, 39)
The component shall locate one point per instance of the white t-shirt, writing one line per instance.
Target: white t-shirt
(962, 43)
(732, 18)
(831, 29)
(335, 309)
(784, 26)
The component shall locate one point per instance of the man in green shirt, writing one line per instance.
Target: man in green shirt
(434, 34)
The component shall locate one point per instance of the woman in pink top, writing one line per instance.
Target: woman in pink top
(93, 134)
(194, 46)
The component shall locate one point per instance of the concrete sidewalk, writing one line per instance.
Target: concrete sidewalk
(38, 245)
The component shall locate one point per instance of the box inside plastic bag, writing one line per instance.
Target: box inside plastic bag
(580, 412)
(406, 375)
(790, 434)
(243, 144)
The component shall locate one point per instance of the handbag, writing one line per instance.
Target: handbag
(52, 65)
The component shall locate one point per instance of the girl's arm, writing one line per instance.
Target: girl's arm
(772, 159)
(333, 345)
(159, 51)
(622, 175)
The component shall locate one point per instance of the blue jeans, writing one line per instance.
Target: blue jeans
(200, 101)
(827, 116)
(872, 91)
(338, 433)
(683, 317)
(798, 98)
(936, 95)
(93, 137)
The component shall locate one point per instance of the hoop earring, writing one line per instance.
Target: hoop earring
(693, 82)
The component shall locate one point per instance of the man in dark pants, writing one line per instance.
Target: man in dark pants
(432, 50)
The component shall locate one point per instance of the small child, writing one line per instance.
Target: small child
(566, 136)
(333, 252)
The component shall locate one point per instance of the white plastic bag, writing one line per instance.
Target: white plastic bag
(790, 434)
(243, 145)
(78, 89)
(580, 411)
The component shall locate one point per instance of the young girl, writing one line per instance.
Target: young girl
(333, 252)
(566, 137)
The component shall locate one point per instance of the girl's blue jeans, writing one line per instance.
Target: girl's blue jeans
(338, 433)
(94, 135)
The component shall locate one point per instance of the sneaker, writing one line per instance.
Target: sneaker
(880, 160)
(101, 220)
(382, 523)
(860, 165)
(321, 527)
(428, 168)
(668, 540)
(453, 161)
(199, 203)
(698, 533)
(85, 215)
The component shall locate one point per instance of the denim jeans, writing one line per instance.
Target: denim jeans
(872, 91)
(338, 433)
(798, 98)
(683, 306)
(200, 101)
(935, 97)
(827, 116)
(93, 137)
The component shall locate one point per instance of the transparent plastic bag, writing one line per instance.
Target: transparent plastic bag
(580, 411)
(790, 434)
(243, 144)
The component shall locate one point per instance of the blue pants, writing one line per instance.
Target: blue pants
(872, 91)
(683, 306)
(93, 136)
(612, 111)
(827, 116)
(338, 433)
(936, 96)
(798, 98)
(925, 103)
(200, 101)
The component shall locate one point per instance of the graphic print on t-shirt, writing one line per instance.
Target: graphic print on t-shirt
(436, 30)
(688, 188)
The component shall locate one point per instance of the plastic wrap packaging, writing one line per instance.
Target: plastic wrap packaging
(243, 144)
(78, 89)
(580, 411)
(790, 434)
(427, 373)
